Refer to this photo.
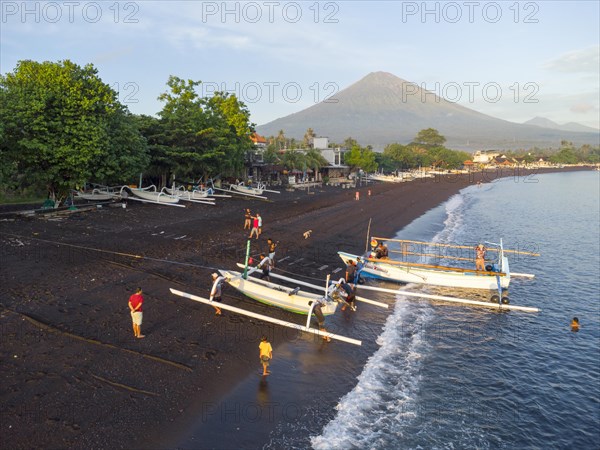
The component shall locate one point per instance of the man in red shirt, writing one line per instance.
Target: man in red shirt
(135, 305)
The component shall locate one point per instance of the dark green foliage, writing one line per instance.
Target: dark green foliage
(62, 126)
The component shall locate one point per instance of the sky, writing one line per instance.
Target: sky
(511, 60)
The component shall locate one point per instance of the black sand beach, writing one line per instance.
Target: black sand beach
(73, 376)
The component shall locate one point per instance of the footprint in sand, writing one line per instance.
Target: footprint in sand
(210, 354)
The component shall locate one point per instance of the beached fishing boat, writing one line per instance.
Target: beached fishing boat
(496, 277)
(149, 195)
(293, 300)
(241, 187)
(195, 196)
(387, 178)
(97, 193)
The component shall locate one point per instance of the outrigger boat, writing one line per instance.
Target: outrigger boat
(195, 196)
(98, 193)
(247, 191)
(496, 276)
(272, 294)
(293, 300)
(149, 195)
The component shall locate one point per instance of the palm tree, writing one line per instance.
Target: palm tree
(315, 160)
(281, 139)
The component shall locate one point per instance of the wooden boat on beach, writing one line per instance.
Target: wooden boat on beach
(97, 193)
(195, 196)
(293, 300)
(150, 195)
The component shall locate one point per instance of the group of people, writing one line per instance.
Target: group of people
(253, 223)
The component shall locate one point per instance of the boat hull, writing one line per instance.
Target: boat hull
(157, 197)
(246, 189)
(400, 273)
(275, 294)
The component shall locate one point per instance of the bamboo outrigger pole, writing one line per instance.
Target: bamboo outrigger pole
(453, 299)
(267, 318)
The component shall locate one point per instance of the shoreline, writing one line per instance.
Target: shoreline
(72, 373)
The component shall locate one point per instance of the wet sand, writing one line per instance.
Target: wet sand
(74, 376)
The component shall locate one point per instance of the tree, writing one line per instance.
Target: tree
(361, 158)
(280, 139)
(402, 156)
(293, 159)
(315, 160)
(308, 137)
(62, 126)
(201, 136)
(429, 137)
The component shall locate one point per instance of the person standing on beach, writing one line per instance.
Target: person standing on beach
(266, 264)
(254, 230)
(216, 291)
(351, 271)
(265, 354)
(272, 246)
(318, 311)
(247, 220)
(135, 306)
(480, 257)
(259, 224)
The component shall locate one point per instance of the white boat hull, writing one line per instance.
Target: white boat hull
(246, 189)
(409, 274)
(275, 294)
(157, 197)
(96, 196)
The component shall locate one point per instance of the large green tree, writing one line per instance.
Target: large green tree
(429, 137)
(62, 126)
(199, 137)
(361, 158)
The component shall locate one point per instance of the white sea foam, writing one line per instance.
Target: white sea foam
(387, 387)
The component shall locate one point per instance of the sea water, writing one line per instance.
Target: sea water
(447, 376)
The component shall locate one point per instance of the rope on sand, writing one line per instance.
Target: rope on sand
(124, 386)
(53, 329)
(100, 250)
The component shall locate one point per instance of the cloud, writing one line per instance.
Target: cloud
(582, 108)
(586, 60)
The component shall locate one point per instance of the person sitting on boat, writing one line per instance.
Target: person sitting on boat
(216, 291)
(382, 251)
(317, 311)
(480, 257)
(266, 264)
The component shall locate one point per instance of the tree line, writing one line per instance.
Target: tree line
(62, 126)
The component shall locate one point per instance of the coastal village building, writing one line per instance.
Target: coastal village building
(334, 156)
(257, 169)
(485, 156)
